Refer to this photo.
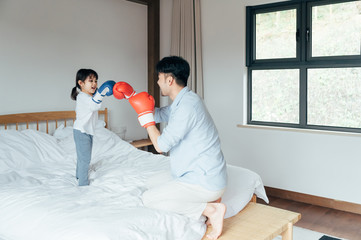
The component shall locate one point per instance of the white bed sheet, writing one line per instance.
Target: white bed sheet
(40, 199)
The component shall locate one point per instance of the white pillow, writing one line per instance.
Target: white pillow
(242, 184)
(63, 132)
(100, 124)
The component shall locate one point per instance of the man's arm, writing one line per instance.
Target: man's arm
(154, 133)
(143, 104)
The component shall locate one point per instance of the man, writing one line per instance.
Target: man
(198, 170)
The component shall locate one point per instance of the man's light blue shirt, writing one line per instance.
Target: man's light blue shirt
(192, 139)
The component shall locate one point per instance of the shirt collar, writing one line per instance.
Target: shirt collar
(180, 95)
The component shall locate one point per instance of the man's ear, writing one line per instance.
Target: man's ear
(170, 80)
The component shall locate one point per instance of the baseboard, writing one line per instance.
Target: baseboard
(314, 200)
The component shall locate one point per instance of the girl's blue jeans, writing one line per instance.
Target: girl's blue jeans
(84, 145)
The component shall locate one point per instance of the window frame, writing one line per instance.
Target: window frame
(303, 60)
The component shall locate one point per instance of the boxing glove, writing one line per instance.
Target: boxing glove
(123, 90)
(143, 104)
(106, 89)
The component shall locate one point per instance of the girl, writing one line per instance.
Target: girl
(88, 102)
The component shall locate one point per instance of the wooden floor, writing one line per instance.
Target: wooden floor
(329, 221)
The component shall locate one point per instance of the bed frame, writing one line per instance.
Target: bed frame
(255, 221)
(43, 118)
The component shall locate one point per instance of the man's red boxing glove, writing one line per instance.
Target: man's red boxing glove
(123, 90)
(143, 104)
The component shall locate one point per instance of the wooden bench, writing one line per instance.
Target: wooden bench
(259, 222)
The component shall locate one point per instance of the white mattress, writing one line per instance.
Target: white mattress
(40, 199)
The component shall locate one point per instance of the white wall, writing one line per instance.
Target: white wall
(326, 165)
(44, 42)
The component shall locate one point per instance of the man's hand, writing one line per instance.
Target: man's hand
(143, 104)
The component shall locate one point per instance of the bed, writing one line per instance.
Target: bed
(40, 199)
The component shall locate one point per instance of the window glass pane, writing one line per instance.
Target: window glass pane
(336, 29)
(334, 97)
(275, 95)
(276, 34)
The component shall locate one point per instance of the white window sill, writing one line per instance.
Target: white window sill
(300, 130)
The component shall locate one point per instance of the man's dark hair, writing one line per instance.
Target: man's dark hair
(177, 66)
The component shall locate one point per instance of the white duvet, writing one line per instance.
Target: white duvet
(40, 197)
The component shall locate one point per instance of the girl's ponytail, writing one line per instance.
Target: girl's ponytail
(74, 93)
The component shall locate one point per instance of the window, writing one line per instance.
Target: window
(304, 64)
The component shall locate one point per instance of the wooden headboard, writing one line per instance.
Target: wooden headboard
(43, 117)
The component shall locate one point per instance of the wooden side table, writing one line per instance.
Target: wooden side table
(142, 144)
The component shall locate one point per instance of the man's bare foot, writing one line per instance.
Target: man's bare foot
(208, 223)
(216, 201)
(215, 214)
